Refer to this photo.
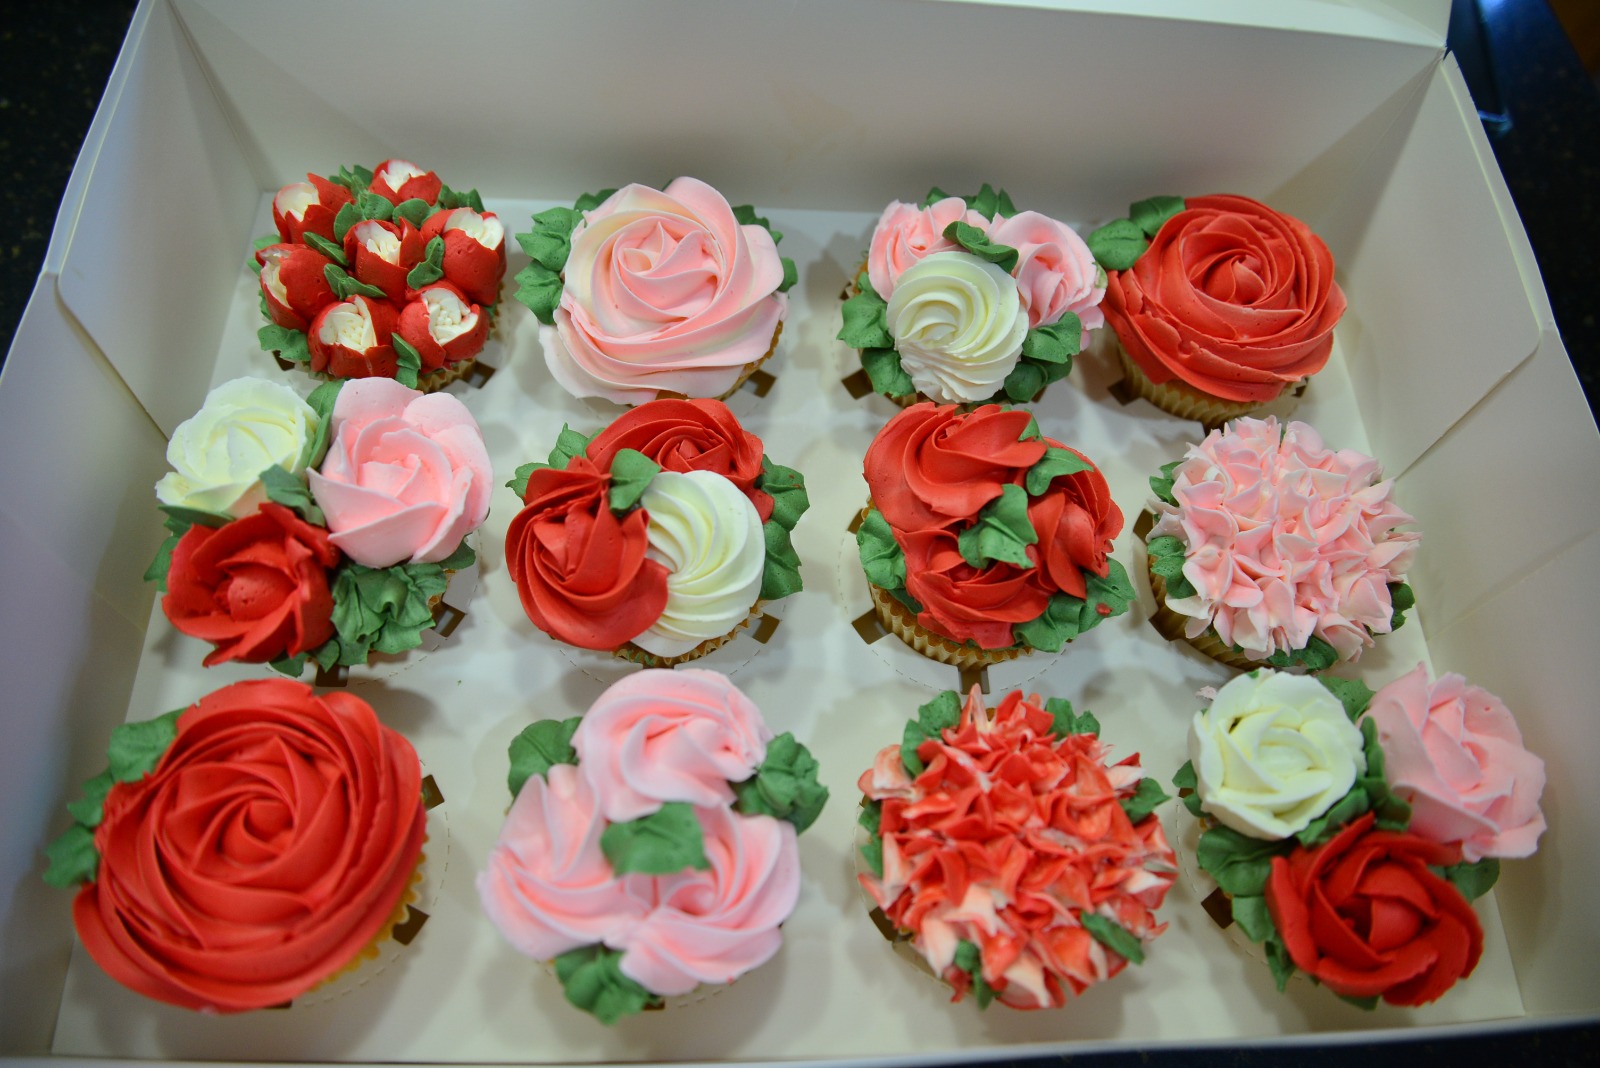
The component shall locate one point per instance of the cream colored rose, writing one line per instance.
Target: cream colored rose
(244, 427)
(1272, 753)
(958, 324)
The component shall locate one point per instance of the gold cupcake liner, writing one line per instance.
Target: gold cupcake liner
(632, 653)
(898, 620)
(1177, 397)
(433, 381)
(749, 368)
(398, 916)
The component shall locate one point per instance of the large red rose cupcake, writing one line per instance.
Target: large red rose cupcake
(1219, 303)
(649, 293)
(651, 846)
(387, 273)
(1005, 852)
(659, 537)
(966, 300)
(1348, 831)
(983, 539)
(239, 852)
(322, 529)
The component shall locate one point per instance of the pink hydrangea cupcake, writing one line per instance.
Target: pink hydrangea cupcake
(651, 846)
(649, 293)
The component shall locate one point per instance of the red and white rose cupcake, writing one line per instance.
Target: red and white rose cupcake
(1348, 831)
(213, 854)
(322, 529)
(653, 293)
(651, 847)
(659, 537)
(386, 273)
(966, 300)
(1219, 303)
(983, 539)
(1005, 852)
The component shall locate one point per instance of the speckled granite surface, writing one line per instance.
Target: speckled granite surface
(53, 67)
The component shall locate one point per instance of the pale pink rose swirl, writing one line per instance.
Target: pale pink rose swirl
(406, 477)
(907, 234)
(1055, 270)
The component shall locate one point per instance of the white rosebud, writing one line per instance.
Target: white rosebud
(958, 324)
(244, 427)
(1272, 753)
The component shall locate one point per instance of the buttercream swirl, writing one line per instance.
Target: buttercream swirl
(958, 323)
(244, 427)
(931, 465)
(906, 234)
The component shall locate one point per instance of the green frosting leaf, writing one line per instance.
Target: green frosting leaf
(408, 361)
(1279, 962)
(1031, 432)
(986, 201)
(785, 786)
(1186, 779)
(1316, 656)
(745, 215)
(886, 373)
(73, 858)
(1055, 463)
(326, 247)
(569, 443)
(1162, 487)
(872, 851)
(414, 211)
(1118, 244)
(791, 274)
(538, 748)
(136, 748)
(593, 980)
(264, 241)
(1368, 1003)
(881, 556)
(345, 286)
(970, 960)
(1401, 600)
(1066, 616)
(666, 841)
(1167, 554)
(781, 575)
(1474, 880)
(1144, 800)
(288, 344)
(347, 217)
(1069, 722)
(590, 201)
(871, 816)
(631, 472)
(1351, 806)
(431, 267)
(383, 610)
(787, 488)
(978, 244)
(1001, 532)
(181, 519)
(322, 400)
(374, 206)
(865, 325)
(463, 557)
(1393, 813)
(937, 715)
(1025, 381)
(1057, 342)
(356, 179)
(519, 484)
(89, 809)
(1250, 913)
(451, 198)
(1354, 694)
(540, 289)
(549, 243)
(1113, 936)
(1148, 215)
(1238, 863)
(291, 491)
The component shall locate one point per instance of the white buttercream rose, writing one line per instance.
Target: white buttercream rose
(1272, 753)
(244, 427)
(958, 323)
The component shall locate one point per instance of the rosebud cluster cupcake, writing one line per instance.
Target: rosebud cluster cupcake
(217, 856)
(648, 293)
(658, 538)
(1350, 830)
(1219, 303)
(983, 539)
(386, 273)
(651, 846)
(322, 529)
(1003, 849)
(1270, 548)
(965, 300)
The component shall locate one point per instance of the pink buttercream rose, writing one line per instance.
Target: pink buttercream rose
(548, 887)
(662, 735)
(1055, 271)
(1454, 753)
(663, 290)
(712, 926)
(406, 477)
(906, 234)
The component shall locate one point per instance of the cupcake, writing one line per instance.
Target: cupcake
(1004, 850)
(650, 848)
(1270, 549)
(984, 540)
(658, 538)
(1349, 831)
(648, 293)
(241, 851)
(380, 274)
(322, 529)
(1218, 303)
(964, 300)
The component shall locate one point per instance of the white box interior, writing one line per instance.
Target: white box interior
(1447, 367)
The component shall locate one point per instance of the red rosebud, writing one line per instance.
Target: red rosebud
(350, 339)
(311, 205)
(1076, 520)
(966, 603)
(688, 435)
(443, 326)
(397, 180)
(294, 284)
(474, 251)
(378, 255)
(256, 588)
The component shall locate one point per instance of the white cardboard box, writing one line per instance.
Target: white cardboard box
(1447, 366)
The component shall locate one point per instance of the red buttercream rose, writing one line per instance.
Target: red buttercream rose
(688, 435)
(256, 588)
(1231, 297)
(269, 845)
(311, 205)
(294, 284)
(398, 180)
(382, 253)
(351, 339)
(932, 465)
(966, 603)
(443, 326)
(581, 571)
(1076, 520)
(1364, 915)
(474, 257)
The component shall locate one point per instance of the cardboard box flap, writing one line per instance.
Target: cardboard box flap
(1417, 21)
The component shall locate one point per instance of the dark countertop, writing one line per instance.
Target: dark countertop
(54, 63)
